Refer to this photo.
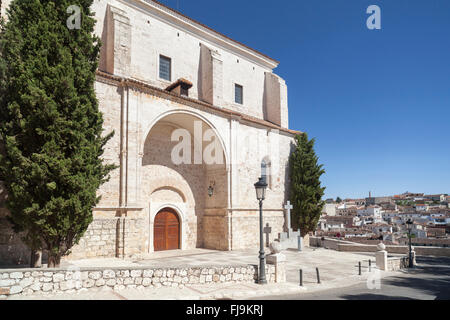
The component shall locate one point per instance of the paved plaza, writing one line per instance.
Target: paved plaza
(429, 280)
(337, 270)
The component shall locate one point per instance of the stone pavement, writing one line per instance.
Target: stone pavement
(337, 269)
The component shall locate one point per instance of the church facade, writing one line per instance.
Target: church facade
(196, 117)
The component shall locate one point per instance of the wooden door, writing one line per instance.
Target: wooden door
(166, 231)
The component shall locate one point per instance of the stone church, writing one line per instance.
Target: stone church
(164, 80)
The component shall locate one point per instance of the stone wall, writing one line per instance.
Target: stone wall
(371, 248)
(108, 238)
(38, 281)
(245, 228)
(146, 31)
(432, 251)
(123, 220)
(397, 263)
(346, 246)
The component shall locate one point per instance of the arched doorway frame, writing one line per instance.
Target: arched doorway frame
(180, 208)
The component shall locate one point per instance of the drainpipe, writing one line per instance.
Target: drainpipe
(123, 188)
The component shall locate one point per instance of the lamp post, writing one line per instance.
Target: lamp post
(409, 225)
(261, 187)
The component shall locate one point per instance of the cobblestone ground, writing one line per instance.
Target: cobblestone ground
(337, 269)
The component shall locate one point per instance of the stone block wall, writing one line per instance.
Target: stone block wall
(397, 263)
(432, 251)
(114, 237)
(100, 240)
(346, 246)
(44, 281)
(215, 233)
(245, 228)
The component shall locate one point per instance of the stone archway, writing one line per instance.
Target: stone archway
(186, 185)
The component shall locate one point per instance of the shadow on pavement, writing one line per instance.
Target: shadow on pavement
(369, 296)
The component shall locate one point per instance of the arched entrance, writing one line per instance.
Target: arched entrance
(184, 166)
(166, 230)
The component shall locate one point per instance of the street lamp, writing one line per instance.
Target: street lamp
(261, 187)
(409, 225)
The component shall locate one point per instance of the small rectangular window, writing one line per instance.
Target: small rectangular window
(165, 68)
(238, 94)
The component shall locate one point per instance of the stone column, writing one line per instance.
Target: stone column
(116, 37)
(381, 257)
(279, 260)
(272, 98)
(211, 76)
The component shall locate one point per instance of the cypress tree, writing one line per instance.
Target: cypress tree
(50, 124)
(306, 192)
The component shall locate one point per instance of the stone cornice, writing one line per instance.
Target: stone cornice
(230, 114)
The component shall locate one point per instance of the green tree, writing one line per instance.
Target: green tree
(306, 192)
(338, 200)
(50, 124)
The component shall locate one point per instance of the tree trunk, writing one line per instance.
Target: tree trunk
(54, 260)
(36, 259)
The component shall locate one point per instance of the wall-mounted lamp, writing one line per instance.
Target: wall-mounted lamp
(211, 188)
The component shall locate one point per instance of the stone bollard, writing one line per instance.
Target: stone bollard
(279, 261)
(381, 257)
(413, 253)
(300, 243)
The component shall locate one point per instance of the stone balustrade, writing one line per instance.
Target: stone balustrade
(346, 246)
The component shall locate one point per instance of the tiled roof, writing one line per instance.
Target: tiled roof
(180, 81)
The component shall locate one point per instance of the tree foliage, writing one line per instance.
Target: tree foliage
(50, 124)
(306, 192)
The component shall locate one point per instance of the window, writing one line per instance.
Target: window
(238, 94)
(165, 68)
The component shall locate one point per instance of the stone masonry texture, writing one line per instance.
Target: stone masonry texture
(145, 118)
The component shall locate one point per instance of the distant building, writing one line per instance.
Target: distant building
(329, 209)
(388, 215)
(435, 197)
(380, 228)
(370, 201)
(436, 232)
(419, 231)
(388, 206)
(371, 211)
(421, 207)
(346, 211)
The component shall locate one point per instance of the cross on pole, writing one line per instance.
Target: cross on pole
(288, 208)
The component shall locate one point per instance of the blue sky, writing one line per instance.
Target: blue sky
(377, 101)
